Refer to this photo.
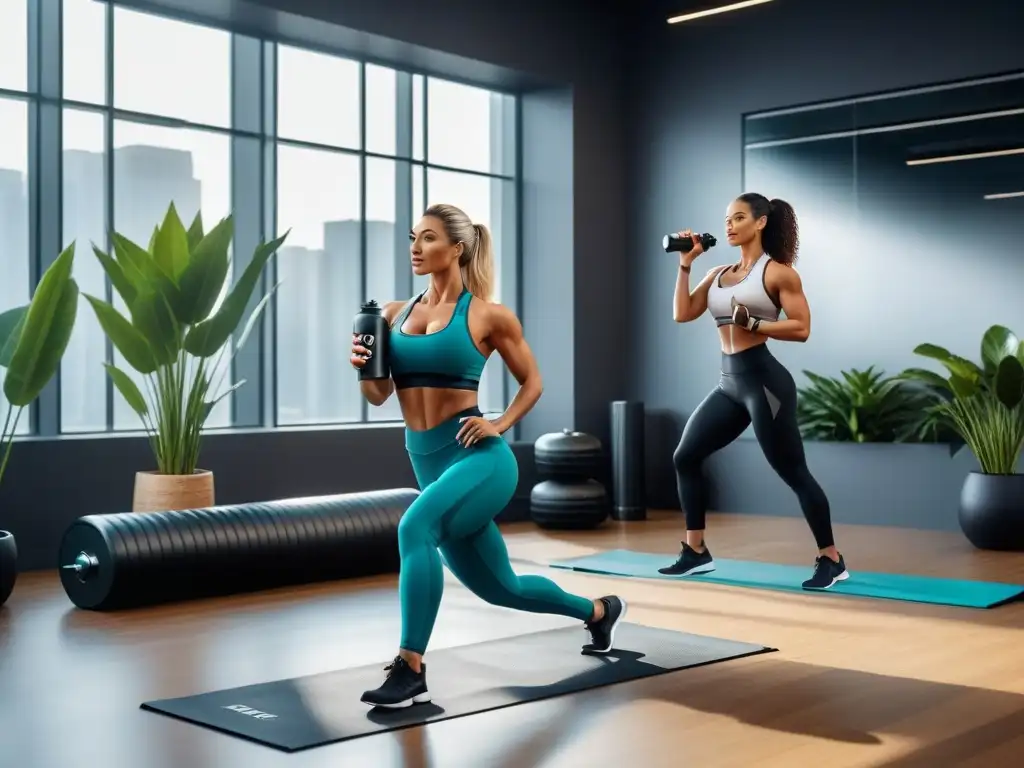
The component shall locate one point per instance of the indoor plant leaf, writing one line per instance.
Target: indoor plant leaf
(211, 404)
(997, 343)
(206, 338)
(153, 317)
(195, 231)
(142, 271)
(955, 364)
(117, 276)
(11, 323)
(128, 389)
(1009, 382)
(254, 316)
(202, 280)
(927, 377)
(962, 387)
(128, 339)
(170, 245)
(133, 259)
(46, 332)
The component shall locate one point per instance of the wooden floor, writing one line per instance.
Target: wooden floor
(856, 682)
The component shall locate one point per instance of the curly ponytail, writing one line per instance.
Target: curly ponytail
(780, 237)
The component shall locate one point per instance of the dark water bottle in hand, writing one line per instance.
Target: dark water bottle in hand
(371, 331)
(677, 243)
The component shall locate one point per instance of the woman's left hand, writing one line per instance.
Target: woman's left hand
(741, 315)
(474, 429)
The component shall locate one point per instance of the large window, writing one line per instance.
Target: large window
(14, 214)
(343, 154)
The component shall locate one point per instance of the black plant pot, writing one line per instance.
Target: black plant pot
(8, 565)
(992, 511)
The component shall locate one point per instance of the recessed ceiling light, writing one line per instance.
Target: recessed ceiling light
(712, 11)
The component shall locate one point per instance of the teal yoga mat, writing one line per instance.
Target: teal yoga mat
(746, 573)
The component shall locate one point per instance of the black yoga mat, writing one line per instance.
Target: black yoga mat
(312, 711)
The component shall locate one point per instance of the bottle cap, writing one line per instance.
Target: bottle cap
(370, 308)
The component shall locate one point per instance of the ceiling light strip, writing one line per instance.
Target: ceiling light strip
(966, 156)
(713, 11)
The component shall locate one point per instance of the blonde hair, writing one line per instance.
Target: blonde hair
(477, 260)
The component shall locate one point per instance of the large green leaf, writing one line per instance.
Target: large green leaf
(170, 246)
(1009, 382)
(956, 365)
(195, 231)
(211, 404)
(133, 259)
(11, 323)
(154, 318)
(117, 276)
(963, 387)
(203, 278)
(255, 316)
(997, 343)
(128, 389)
(207, 338)
(46, 332)
(126, 337)
(928, 377)
(142, 271)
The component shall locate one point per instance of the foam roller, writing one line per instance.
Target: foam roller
(130, 560)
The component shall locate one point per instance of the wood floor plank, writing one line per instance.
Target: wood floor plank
(855, 683)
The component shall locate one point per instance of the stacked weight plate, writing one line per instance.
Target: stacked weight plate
(571, 499)
(135, 559)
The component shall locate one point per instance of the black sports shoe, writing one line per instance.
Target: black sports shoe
(690, 562)
(602, 632)
(827, 572)
(401, 688)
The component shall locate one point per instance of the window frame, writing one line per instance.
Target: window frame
(253, 145)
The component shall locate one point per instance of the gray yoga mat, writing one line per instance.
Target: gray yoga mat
(312, 711)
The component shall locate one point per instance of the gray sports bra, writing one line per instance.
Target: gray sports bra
(751, 292)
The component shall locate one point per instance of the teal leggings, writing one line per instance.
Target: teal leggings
(463, 490)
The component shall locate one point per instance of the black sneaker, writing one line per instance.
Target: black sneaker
(690, 562)
(827, 572)
(602, 632)
(401, 688)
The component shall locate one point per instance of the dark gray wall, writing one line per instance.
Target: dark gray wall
(573, 226)
(690, 86)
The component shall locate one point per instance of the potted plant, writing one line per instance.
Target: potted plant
(171, 337)
(863, 407)
(984, 404)
(32, 342)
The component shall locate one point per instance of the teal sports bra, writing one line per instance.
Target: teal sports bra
(444, 359)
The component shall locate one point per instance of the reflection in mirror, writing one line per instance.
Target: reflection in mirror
(910, 206)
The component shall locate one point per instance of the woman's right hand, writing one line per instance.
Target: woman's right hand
(686, 259)
(360, 354)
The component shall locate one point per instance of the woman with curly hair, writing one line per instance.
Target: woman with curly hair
(745, 299)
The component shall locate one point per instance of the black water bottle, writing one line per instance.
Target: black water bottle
(372, 331)
(677, 244)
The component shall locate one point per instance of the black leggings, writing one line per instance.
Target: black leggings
(754, 387)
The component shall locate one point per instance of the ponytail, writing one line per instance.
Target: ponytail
(478, 271)
(780, 237)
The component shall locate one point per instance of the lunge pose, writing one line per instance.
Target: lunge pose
(467, 473)
(745, 300)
